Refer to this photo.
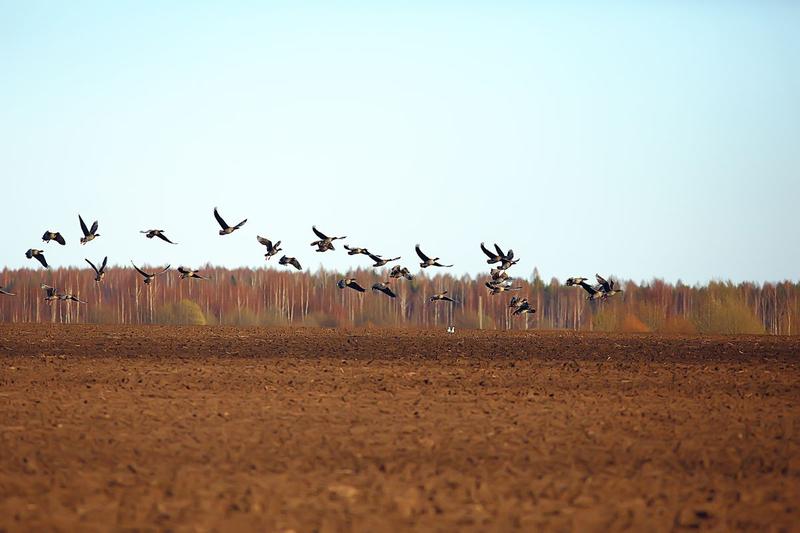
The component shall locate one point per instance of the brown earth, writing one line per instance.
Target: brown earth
(308, 429)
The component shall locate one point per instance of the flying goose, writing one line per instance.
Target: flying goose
(400, 272)
(499, 275)
(577, 280)
(33, 253)
(50, 293)
(272, 249)
(324, 243)
(384, 288)
(189, 273)
(88, 235)
(606, 287)
(440, 297)
(356, 251)
(226, 229)
(516, 301)
(380, 261)
(99, 273)
(53, 236)
(4, 290)
(498, 283)
(524, 307)
(286, 260)
(157, 233)
(594, 294)
(493, 257)
(497, 289)
(148, 278)
(350, 283)
(427, 261)
(70, 297)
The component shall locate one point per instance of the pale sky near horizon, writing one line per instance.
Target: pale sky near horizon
(643, 140)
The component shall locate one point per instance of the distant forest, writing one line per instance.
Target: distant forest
(269, 297)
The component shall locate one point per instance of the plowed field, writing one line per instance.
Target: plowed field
(105, 427)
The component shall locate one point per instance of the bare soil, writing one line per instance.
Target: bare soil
(210, 429)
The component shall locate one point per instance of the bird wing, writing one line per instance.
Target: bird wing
(420, 254)
(92, 265)
(240, 224)
(103, 266)
(318, 233)
(84, 229)
(588, 288)
(220, 220)
(60, 239)
(46, 236)
(140, 271)
(296, 263)
(165, 269)
(375, 257)
(183, 270)
(95, 225)
(489, 254)
(602, 281)
(264, 241)
(40, 257)
(354, 285)
(500, 251)
(164, 238)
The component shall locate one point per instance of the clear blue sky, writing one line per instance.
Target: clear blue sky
(640, 139)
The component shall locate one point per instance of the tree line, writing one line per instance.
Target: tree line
(270, 297)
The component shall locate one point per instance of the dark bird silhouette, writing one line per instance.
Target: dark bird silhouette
(499, 275)
(4, 290)
(427, 261)
(497, 289)
(226, 229)
(355, 250)
(380, 261)
(593, 294)
(441, 297)
(70, 297)
(493, 257)
(575, 281)
(99, 273)
(88, 234)
(50, 293)
(400, 272)
(54, 236)
(149, 277)
(33, 253)
(189, 273)
(384, 288)
(286, 260)
(516, 301)
(324, 243)
(524, 307)
(606, 287)
(157, 233)
(272, 249)
(350, 283)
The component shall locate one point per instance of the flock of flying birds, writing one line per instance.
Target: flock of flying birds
(499, 281)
